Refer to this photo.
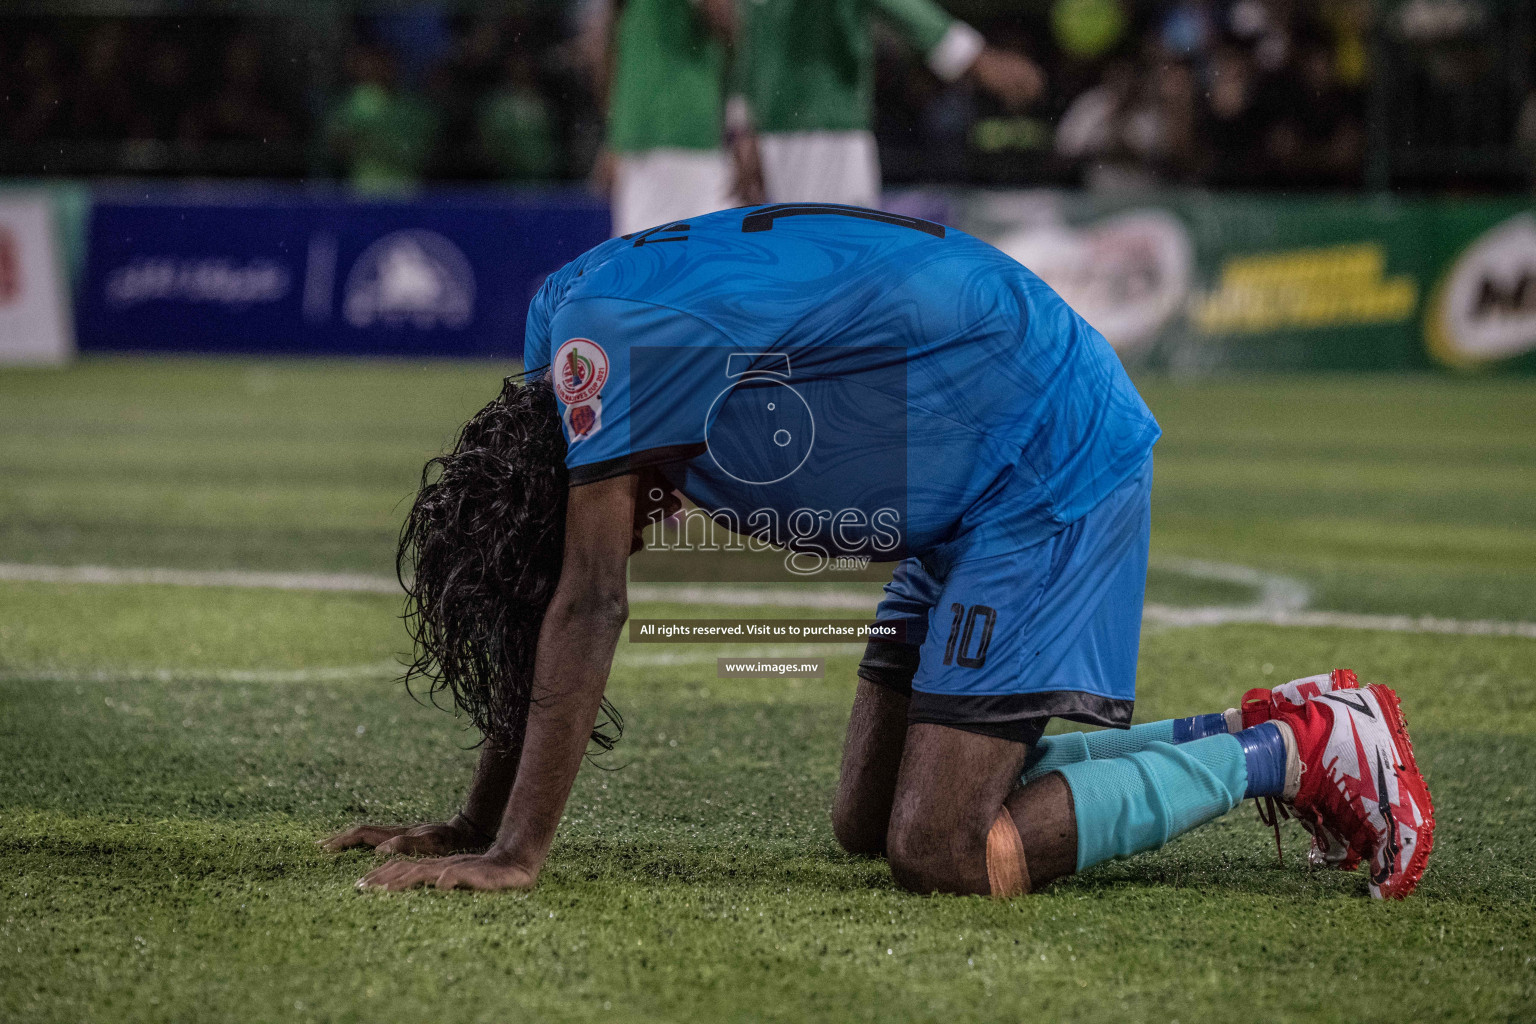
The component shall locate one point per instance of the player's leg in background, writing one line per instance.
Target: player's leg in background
(866, 785)
(659, 186)
(877, 728)
(821, 167)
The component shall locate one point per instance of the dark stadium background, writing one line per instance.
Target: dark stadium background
(1437, 93)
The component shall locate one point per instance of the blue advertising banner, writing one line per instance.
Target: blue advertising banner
(274, 272)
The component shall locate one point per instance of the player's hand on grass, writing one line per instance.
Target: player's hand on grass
(434, 839)
(485, 872)
(1014, 79)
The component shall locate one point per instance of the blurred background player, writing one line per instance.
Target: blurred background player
(661, 69)
(806, 77)
(382, 135)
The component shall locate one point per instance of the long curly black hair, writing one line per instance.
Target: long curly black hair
(479, 558)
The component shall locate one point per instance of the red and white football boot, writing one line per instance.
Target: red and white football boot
(1259, 706)
(1263, 705)
(1360, 783)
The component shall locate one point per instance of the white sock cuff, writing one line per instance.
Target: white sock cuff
(1293, 765)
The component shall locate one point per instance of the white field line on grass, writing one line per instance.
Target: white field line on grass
(693, 594)
(1280, 600)
(334, 674)
(335, 581)
(1273, 591)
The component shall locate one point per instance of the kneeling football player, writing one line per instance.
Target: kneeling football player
(840, 381)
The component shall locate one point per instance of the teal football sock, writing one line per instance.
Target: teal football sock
(1140, 800)
(1053, 753)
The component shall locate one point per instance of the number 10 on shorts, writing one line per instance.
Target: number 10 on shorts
(963, 631)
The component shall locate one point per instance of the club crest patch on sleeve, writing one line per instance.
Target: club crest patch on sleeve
(579, 370)
(584, 420)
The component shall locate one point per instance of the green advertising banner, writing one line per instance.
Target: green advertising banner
(1200, 282)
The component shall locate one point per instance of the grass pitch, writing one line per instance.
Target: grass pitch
(169, 754)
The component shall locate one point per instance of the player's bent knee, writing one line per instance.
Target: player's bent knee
(925, 864)
(928, 875)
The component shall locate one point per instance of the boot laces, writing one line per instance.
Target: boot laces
(1270, 812)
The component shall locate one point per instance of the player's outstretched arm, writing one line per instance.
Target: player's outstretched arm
(1012, 78)
(575, 651)
(955, 50)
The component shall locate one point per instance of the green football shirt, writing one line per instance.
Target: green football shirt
(385, 138)
(517, 133)
(808, 65)
(669, 79)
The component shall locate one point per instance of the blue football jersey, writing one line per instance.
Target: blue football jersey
(880, 385)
